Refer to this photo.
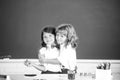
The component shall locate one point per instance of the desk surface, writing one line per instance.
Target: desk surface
(54, 77)
(47, 77)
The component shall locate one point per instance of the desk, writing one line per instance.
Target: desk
(47, 77)
(115, 76)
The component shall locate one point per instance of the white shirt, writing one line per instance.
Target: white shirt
(50, 54)
(68, 57)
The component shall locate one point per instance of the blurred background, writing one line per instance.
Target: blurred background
(97, 23)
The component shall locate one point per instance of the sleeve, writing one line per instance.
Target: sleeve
(68, 58)
(63, 61)
(72, 59)
(62, 58)
(41, 52)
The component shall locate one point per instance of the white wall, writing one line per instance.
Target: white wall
(16, 66)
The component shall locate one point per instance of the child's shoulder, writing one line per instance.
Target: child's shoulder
(71, 49)
(69, 46)
(42, 49)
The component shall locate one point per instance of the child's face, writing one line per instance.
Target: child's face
(48, 38)
(61, 37)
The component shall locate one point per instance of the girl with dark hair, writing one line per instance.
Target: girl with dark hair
(47, 51)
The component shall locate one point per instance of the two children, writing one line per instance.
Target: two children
(65, 49)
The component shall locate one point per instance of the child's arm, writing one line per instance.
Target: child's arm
(51, 61)
(38, 67)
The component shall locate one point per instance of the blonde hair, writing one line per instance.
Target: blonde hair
(71, 34)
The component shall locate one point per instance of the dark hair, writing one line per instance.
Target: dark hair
(48, 29)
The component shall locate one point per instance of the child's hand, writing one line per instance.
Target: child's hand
(41, 58)
(28, 63)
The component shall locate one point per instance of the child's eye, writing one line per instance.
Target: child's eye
(62, 35)
(50, 35)
(44, 37)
